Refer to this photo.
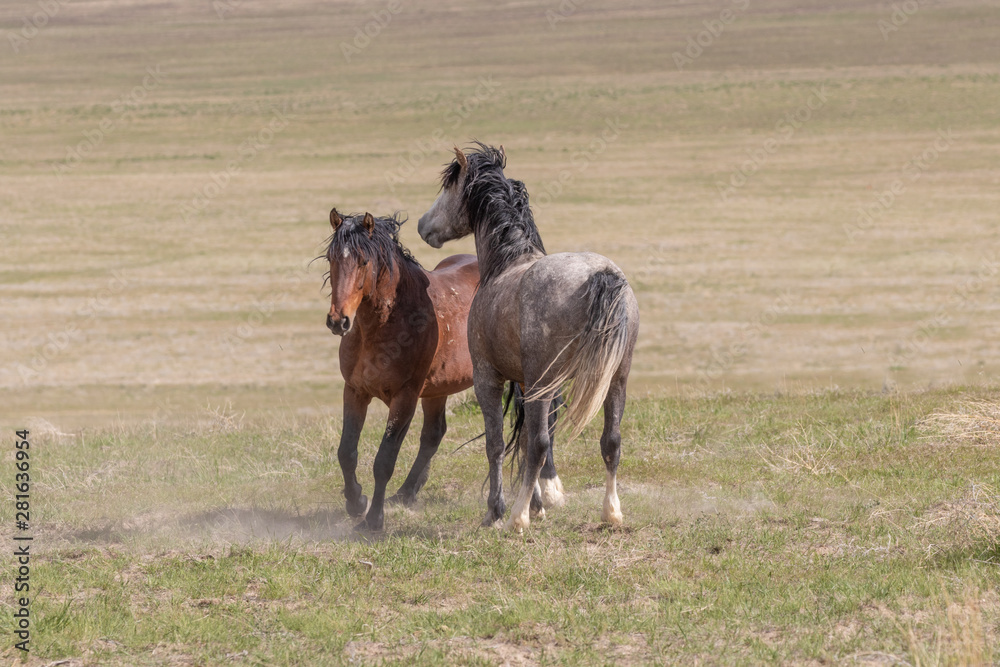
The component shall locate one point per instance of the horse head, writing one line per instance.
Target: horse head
(351, 274)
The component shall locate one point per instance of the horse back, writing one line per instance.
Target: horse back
(458, 267)
(452, 285)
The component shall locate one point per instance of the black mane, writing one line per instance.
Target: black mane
(498, 210)
(382, 249)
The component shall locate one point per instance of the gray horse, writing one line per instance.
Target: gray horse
(537, 319)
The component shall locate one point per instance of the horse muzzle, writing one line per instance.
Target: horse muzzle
(339, 327)
(427, 235)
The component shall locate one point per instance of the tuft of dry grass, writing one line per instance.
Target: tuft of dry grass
(975, 422)
(224, 418)
(974, 517)
(803, 455)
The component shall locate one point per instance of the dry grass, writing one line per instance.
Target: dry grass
(975, 422)
(803, 454)
(973, 519)
(958, 637)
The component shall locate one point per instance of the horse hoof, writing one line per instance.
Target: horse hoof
(404, 499)
(357, 507)
(514, 525)
(366, 526)
(612, 518)
(553, 494)
(539, 515)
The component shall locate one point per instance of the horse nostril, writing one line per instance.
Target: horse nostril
(329, 322)
(345, 324)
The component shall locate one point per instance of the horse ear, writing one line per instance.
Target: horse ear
(369, 223)
(335, 220)
(463, 161)
(503, 153)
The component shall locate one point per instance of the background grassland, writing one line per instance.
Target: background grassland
(865, 308)
(779, 506)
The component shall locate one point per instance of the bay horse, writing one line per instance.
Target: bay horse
(404, 339)
(537, 319)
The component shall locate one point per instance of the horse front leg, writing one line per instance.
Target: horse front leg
(433, 430)
(355, 411)
(401, 409)
(489, 393)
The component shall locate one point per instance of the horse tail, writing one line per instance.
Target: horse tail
(600, 349)
(514, 399)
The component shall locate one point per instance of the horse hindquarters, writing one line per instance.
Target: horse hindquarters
(601, 331)
(572, 342)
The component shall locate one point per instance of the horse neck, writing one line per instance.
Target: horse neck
(505, 230)
(378, 304)
(495, 255)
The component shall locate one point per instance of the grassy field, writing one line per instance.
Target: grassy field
(803, 195)
(834, 527)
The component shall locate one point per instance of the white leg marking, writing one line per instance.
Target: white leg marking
(553, 494)
(612, 513)
(519, 514)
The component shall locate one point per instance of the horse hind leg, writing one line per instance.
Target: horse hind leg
(550, 491)
(611, 441)
(537, 445)
(537, 506)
